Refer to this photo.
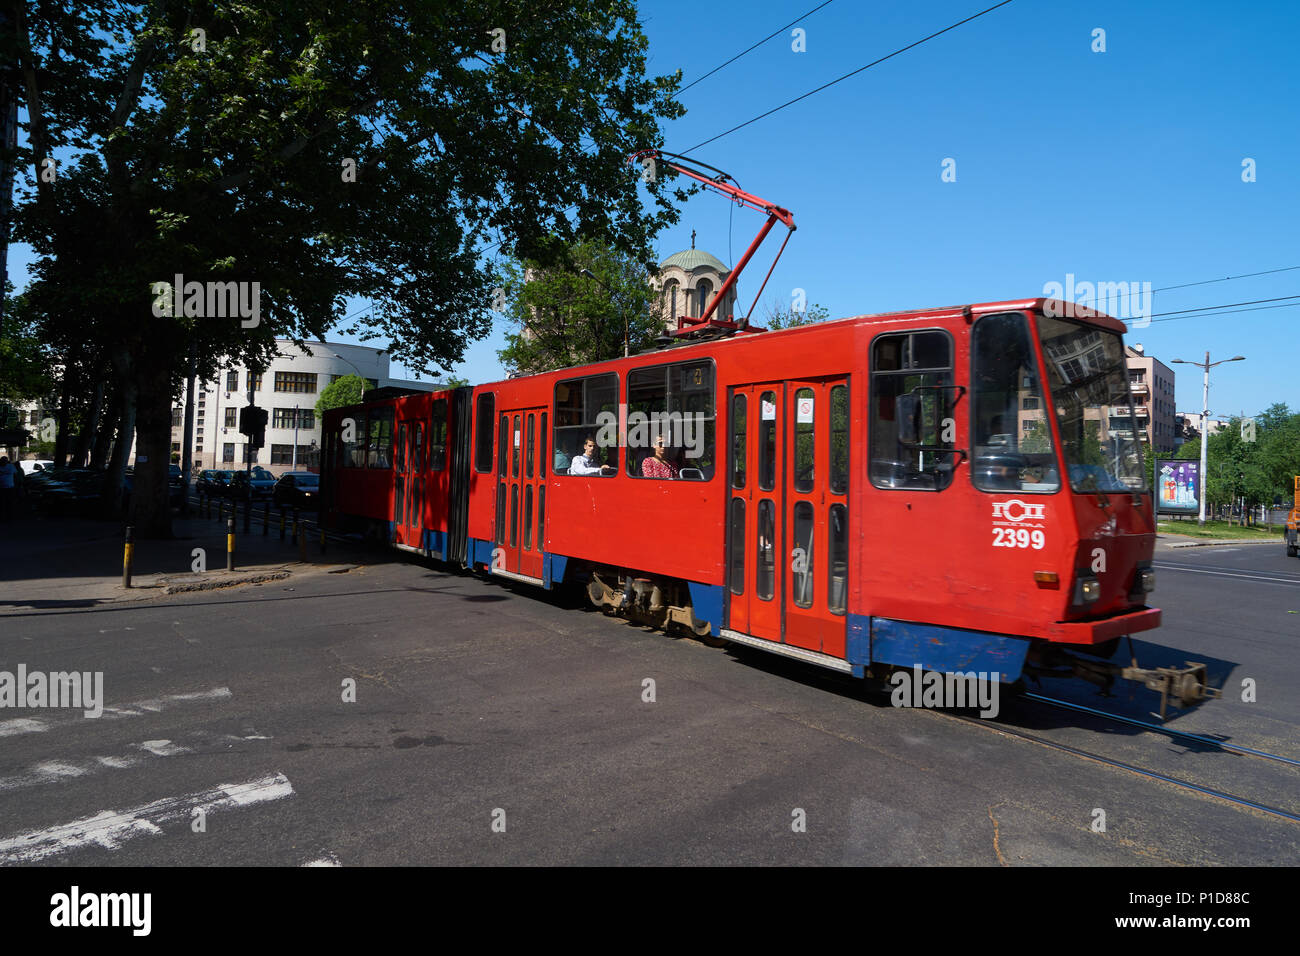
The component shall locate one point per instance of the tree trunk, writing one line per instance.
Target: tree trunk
(151, 514)
(64, 421)
(109, 419)
(90, 427)
(113, 492)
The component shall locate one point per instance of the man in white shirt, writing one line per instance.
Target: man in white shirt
(585, 464)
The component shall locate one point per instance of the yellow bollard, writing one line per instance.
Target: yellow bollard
(128, 555)
(230, 545)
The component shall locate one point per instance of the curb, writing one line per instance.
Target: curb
(1212, 544)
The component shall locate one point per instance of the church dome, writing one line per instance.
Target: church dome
(692, 259)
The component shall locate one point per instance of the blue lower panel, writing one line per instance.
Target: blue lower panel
(480, 552)
(392, 532)
(553, 568)
(435, 543)
(706, 599)
(945, 649)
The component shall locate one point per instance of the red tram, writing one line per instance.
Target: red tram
(959, 489)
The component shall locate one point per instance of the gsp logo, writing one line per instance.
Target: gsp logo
(1016, 510)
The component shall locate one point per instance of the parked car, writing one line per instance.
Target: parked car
(260, 483)
(213, 483)
(175, 485)
(31, 466)
(298, 489)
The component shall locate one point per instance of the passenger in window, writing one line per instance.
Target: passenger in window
(586, 463)
(658, 465)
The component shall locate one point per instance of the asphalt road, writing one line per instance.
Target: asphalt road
(492, 725)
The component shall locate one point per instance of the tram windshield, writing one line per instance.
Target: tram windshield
(1088, 377)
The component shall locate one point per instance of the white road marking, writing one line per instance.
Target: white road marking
(9, 728)
(1293, 582)
(109, 828)
(22, 725)
(329, 859)
(164, 748)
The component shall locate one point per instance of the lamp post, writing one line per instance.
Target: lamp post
(621, 311)
(358, 371)
(1205, 420)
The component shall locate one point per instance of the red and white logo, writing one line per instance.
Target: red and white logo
(1017, 511)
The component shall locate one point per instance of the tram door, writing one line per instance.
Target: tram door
(408, 484)
(787, 518)
(521, 490)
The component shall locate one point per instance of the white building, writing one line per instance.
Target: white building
(288, 390)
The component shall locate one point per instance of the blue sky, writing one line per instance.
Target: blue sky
(1117, 166)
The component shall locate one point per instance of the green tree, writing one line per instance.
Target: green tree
(348, 390)
(371, 149)
(564, 318)
(777, 316)
(455, 381)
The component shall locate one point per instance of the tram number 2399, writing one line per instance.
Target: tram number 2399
(1018, 538)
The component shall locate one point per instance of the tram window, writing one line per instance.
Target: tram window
(801, 556)
(501, 513)
(1010, 434)
(541, 438)
(528, 517)
(528, 452)
(483, 440)
(675, 402)
(765, 553)
(379, 445)
(438, 436)
(838, 567)
(804, 438)
(514, 516)
(352, 452)
(503, 439)
(738, 441)
(417, 483)
(911, 411)
(586, 408)
(399, 492)
(417, 448)
(737, 545)
(767, 442)
(516, 439)
(541, 517)
(840, 417)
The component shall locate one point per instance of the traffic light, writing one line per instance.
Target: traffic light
(252, 422)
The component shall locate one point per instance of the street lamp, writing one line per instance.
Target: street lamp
(621, 311)
(357, 370)
(1205, 419)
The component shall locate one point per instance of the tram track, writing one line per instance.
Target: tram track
(1187, 785)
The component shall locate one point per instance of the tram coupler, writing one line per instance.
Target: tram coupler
(1183, 686)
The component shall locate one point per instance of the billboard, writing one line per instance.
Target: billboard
(1178, 486)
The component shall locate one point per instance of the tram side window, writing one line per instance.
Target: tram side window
(1011, 437)
(352, 450)
(586, 408)
(438, 436)
(675, 402)
(911, 411)
(379, 451)
(487, 422)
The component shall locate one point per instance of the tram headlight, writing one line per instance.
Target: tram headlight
(1087, 589)
(1146, 580)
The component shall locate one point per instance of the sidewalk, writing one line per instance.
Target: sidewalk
(51, 563)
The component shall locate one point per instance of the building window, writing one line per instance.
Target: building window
(284, 418)
(232, 381)
(283, 454)
(673, 402)
(231, 414)
(295, 381)
(255, 381)
(228, 452)
(586, 408)
(178, 417)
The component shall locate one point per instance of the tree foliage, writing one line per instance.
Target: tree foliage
(346, 390)
(371, 149)
(564, 318)
(1261, 470)
(778, 316)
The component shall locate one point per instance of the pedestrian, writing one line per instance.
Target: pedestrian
(7, 489)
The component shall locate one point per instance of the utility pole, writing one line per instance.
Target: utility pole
(1205, 421)
(187, 442)
(295, 438)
